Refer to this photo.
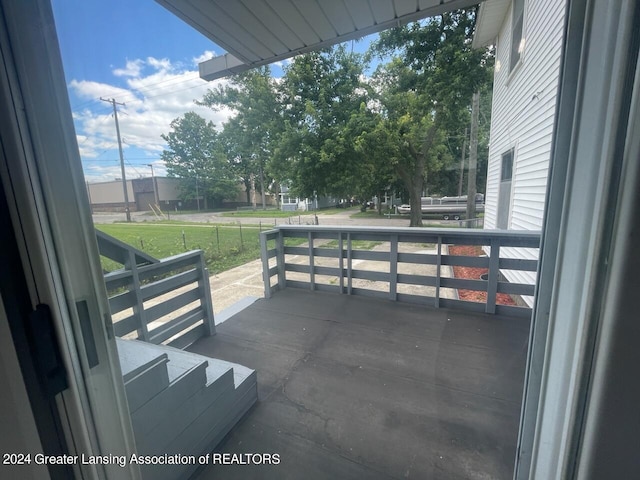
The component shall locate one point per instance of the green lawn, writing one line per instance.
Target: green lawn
(222, 245)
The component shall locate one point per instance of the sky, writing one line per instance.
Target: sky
(139, 54)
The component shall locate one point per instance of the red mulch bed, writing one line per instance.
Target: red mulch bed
(472, 273)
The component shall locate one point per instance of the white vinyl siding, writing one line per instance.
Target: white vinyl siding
(523, 114)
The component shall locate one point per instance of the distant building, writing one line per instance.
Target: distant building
(528, 35)
(109, 196)
(288, 202)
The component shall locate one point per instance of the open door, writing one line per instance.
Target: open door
(52, 289)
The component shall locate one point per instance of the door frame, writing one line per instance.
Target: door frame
(43, 182)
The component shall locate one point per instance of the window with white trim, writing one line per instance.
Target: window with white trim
(517, 39)
(504, 195)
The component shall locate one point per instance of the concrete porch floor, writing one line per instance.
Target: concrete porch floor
(353, 387)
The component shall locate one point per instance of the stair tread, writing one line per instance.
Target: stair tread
(134, 360)
(179, 362)
(240, 372)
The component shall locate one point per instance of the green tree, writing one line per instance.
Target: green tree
(320, 92)
(377, 153)
(425, 94)
(195, 155)
(249, 136)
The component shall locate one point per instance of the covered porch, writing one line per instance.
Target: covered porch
(363, 360)
(358, 387)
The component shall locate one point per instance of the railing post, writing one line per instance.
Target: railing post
(138, 308)
(349, 264)
(494, 271)
(282, 277)
(312, 274)
(436, 301)
(393, 268)
(266, 278)
(205, 297)
(341, 261)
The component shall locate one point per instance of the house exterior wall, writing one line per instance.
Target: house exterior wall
(522, 118)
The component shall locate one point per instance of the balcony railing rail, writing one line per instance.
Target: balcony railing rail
(276, 263)
(174, 292)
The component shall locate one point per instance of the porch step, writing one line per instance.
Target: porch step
(206, 431)
(144, 372)
(194, 406)
(187, 375)
(205, 408)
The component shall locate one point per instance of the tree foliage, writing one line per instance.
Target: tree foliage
(195, 155)
(249, 136)
(425, 93)
(326, 128)
(320, 92)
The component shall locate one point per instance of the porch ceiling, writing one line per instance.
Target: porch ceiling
(353, 387)
(259, 32)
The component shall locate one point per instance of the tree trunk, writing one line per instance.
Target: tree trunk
(413, 177)
(415, 199)
(247, 190)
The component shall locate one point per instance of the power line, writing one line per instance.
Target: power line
(145, 90)
(137, 160)
(134, 168)
(167, 93)
(189, 76)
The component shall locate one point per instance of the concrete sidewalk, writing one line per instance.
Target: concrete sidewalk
(231, 286)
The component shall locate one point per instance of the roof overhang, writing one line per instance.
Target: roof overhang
(490, 18)
(259, 32)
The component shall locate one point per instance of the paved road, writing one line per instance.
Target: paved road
(342, 218)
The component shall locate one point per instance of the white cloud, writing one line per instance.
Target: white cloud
(132, 69)
(207, 55)
(153, 98)
(159, 64)
(94, 90)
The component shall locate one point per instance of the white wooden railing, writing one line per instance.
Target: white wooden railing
(276, 263)
(158, 301)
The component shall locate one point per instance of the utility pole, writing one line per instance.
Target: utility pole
(197, 194)
(124, 178)
(155, 187)
(473, 158)
(264, 203)
(253, 191)
(464, 153)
